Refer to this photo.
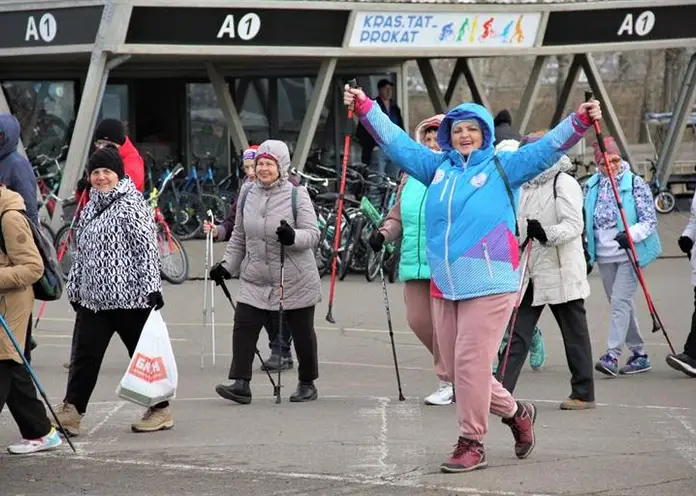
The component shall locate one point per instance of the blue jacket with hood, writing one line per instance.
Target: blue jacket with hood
(470, 224)
(15, 170)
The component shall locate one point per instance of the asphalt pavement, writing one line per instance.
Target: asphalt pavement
(358, 439)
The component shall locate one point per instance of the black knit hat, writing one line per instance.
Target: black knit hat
(111, 130)
(106, 158)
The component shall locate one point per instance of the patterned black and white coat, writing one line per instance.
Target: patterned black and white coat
(117, 264)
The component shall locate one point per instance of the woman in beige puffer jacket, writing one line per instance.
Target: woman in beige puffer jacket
(551, 215)
(265, 219)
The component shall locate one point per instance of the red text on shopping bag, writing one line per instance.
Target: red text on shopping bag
(148, 369)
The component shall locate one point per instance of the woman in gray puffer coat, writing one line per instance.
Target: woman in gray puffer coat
(271, 212)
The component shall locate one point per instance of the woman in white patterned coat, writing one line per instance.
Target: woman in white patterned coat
(113, 285)
(551, 216)
(271, 212)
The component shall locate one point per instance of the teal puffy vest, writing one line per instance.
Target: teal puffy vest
(414, 263)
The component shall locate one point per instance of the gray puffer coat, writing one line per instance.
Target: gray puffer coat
(253, 251)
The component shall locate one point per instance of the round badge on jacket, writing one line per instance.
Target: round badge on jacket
(479, 180)
(439, 176)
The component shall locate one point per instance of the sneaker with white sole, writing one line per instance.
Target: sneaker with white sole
(27, 446)
(154, 419)
(443, 395)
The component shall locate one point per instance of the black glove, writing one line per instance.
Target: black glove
(218, 273)
(534, 230)
(685, 244)
(622, 239)
(82, 185)
(155, 300)
(286, 234)
(376, 240)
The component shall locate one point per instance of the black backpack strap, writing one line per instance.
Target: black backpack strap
(501, 171)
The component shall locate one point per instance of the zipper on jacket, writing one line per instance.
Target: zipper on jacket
(488, 259)
(448, 268)
(444, 190)
(418, 245)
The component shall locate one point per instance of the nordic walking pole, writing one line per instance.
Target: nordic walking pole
(3, 323)
(258, 353)
(208, 236)
(391, 331)
(209, 249)
(518, 302)
(63, 248)
(631, 251)
(280, 308)
(341, 192)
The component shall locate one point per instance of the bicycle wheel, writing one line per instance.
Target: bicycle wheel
(66, 247)
(349, 252)
(48, 232)
(665, 202)
(185, 217)
(216, 205)
(374, 260)
(175, 264)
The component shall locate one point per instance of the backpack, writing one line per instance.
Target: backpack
(293, 197)
(501, 171)
(584, 230)
(50, 286)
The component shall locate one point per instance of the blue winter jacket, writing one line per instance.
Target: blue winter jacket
(15, 170)
(471, 246)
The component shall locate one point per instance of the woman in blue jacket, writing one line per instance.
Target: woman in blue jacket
(607, 244)
(473, 252)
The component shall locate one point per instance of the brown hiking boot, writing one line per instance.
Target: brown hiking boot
(575, 404)
(70, 419)
(522, 426)
(154, 419)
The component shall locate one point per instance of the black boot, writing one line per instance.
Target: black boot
(239, 391)
(306, 391)
(276, 362)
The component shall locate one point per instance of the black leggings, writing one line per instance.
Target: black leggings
(93, 333)
(248, 321)
(18, 391)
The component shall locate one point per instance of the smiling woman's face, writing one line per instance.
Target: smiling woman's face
(466, 137)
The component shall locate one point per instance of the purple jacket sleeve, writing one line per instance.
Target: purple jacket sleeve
(225, 229)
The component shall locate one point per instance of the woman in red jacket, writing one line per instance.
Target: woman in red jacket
(112, 132)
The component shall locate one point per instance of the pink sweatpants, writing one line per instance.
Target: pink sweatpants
(419, 317)
(469, 334)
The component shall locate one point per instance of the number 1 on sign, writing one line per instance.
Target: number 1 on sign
(248, 27)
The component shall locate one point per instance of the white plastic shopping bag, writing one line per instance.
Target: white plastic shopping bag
(151, 376)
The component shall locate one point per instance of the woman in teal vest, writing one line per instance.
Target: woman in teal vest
(406, 220)
(607, 244)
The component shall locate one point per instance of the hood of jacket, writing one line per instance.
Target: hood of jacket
(467, 111)
(434, 121)
(278, 151)
(9, 127)
(9, 200)
(563, 165)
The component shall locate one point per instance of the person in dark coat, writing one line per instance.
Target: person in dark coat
(503, 127)
(17, 174)
(385, 101)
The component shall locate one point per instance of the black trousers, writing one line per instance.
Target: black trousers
(248, 321)
(90, 341)
(572, 321)
(690, 346)
(27, 341)
(18, 391)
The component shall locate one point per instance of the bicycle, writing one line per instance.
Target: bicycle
(173, 256)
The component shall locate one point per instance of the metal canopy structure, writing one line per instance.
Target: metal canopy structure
(215, 40)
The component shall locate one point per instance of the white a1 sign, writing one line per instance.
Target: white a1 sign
(247, 28)
(45, 29)
(436, 30)
(641, 25)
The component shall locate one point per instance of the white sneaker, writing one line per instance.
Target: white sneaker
(443, 395)
(27, 446)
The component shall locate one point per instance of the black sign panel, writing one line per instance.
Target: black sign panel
(222, 26)
(32, 28)
(620, 25)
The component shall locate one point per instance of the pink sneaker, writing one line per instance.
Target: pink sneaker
(468, 455)
(522, 427)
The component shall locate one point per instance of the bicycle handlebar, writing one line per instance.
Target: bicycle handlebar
(321, 180)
